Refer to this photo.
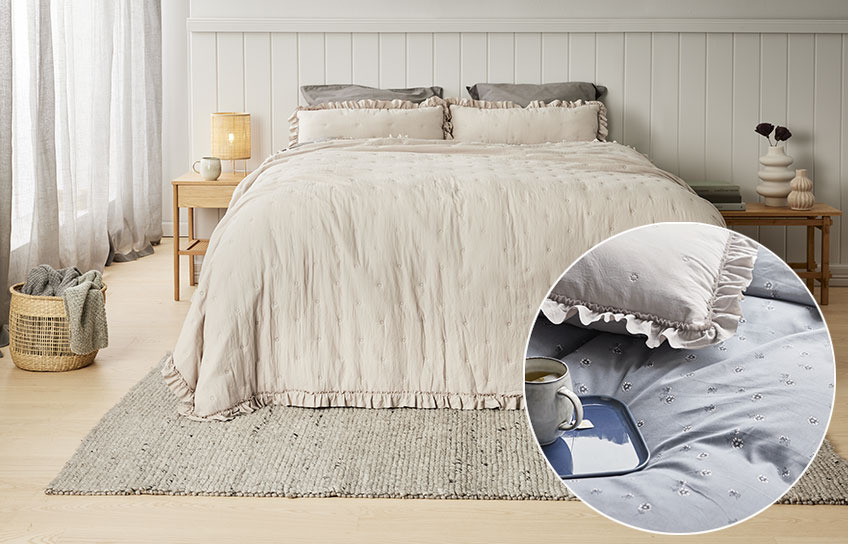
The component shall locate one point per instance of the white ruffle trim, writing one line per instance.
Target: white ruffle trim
(337, 399)
(737, 268)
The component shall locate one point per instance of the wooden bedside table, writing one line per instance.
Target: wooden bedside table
(819, 217)
(192, 191)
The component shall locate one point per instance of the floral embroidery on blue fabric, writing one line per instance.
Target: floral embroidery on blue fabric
(736, 439)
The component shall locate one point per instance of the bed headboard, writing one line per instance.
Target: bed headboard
(686, 92)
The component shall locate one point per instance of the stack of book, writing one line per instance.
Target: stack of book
(723, 196)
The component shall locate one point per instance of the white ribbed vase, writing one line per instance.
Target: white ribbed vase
(775, 176)
(801, 197)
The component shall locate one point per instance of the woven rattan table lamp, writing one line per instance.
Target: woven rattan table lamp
(231, 137)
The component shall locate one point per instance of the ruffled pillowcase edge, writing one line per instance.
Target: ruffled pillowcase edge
(735, 275)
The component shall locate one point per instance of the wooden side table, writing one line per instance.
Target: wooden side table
(819, 217)
(192, 191)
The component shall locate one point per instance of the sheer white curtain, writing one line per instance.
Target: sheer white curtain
(85, 176)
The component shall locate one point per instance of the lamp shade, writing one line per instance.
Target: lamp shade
(231, 135)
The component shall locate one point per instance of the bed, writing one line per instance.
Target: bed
(730, 427)
(398, 272)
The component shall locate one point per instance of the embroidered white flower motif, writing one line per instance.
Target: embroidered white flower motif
(640, 423)
(759, 417)
(634, 276)
(691, 357)
(682, 488)
(813, 420)
(784, 440)
(785, 473)
(616, 349)
(626, 386)
(712, 389)
(733, 493)
(768, 285)
(738, 370)
(756, 396)
(710, 408)
(706, 472)
(762, 478)
(669, 399)
(736, 439)
(644, 508)
(759, 355)
(585, 361)
(703, 455)
(687, 428)
(596, 491)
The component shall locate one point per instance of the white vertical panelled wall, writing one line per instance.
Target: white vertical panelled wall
(688, 100)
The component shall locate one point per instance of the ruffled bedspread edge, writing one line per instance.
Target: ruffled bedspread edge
(335, 399)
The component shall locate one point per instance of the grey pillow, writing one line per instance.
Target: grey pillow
(524, 93)
(319, 94)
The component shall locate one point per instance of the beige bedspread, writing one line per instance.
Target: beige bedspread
(390, 273)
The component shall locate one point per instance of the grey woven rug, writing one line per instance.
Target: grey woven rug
(141, 446)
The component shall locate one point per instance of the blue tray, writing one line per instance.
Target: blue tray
(613, 446)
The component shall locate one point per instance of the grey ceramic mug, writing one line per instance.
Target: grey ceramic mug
(552, 405)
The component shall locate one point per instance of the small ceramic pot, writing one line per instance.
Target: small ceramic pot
(801, 197)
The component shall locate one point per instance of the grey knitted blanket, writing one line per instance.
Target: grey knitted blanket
(84, 304)
(45, 281)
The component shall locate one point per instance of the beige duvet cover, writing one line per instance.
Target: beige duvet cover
(400, 273)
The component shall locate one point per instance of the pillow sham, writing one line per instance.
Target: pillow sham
(368, 119)
(679, 283)
(525, 93)
(318, 94)
(508, 123)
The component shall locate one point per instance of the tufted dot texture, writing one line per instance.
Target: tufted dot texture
(435, 254)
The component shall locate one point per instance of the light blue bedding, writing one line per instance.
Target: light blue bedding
(730, 427)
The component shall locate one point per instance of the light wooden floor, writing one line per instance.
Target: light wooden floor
(43, 417)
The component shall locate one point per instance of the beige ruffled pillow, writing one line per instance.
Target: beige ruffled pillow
(509, 123)
(369, 119)
(679, 283)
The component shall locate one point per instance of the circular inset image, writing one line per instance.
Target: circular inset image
(679, 378)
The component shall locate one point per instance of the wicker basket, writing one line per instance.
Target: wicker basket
(38, 334)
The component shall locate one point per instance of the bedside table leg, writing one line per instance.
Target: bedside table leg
(811, 256)
(191, 237)
(176, 226)
(825, 256)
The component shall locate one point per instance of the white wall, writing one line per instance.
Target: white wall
(688, 99)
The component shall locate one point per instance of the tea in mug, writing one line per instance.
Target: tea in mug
(537, 376)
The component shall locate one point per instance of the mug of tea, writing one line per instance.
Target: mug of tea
(552, 405)
(210, 168)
